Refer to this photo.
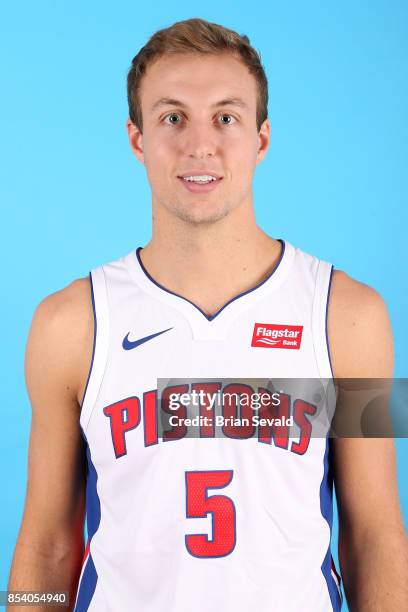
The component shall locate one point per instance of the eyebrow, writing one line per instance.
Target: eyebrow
(173, 102)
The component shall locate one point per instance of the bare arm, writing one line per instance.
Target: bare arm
(373, 549)
(49, 548)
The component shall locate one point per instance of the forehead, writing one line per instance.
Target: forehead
(194, 77)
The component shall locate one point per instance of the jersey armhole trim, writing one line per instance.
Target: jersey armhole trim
(95, 325)
(320, 319)
(326, 325)
(100, 345)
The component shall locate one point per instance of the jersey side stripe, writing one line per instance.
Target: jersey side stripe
(87, 588)
(84, 561)
(326, 507)
(89, 577)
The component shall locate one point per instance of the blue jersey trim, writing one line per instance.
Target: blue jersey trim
(326, 508)
(327, 310)
(237, 297)
(93, 514)
(88, 584)
(94, 339)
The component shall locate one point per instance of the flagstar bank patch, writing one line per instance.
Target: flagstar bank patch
(269, 335)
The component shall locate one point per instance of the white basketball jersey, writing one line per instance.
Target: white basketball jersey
(231, 517)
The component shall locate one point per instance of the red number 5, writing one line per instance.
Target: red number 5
(221, 507)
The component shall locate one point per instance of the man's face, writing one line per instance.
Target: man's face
(200, 142)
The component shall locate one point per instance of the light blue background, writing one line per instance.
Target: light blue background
(73, 196)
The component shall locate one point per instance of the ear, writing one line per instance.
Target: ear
(135, 140)
(264, 137)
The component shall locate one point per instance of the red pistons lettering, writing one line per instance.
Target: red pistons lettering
(124, 416)
(270, 425)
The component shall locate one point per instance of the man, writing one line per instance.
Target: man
(210, 297)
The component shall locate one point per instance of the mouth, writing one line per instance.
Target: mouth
(200, 183)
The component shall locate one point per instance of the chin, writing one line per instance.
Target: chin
(201, 214)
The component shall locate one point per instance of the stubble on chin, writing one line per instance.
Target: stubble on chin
(196, 214)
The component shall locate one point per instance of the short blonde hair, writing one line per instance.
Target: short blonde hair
(199, 36)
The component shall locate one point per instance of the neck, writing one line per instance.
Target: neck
(209, 264)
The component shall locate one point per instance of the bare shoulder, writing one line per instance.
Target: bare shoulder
(61, 338)
(359, 329)
(65, 302)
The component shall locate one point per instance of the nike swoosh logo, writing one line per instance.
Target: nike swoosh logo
(130, 344)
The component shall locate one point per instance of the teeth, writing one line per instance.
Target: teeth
(204, 178)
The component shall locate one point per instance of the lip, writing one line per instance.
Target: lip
(197, 187)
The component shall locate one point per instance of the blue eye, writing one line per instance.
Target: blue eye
(176, 118)
(226, 119)
(173, 118)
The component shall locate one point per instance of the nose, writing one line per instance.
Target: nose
(200, 141)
